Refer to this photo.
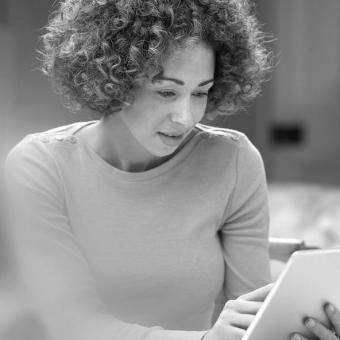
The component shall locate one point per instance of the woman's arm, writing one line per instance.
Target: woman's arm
(53, 270)
(244, 234)
(244, 239)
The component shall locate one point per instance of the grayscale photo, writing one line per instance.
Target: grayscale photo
(170, 170)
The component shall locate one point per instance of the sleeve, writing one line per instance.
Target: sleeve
(244, 234)
(52, 269)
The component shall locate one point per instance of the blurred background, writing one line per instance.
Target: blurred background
(294, 123)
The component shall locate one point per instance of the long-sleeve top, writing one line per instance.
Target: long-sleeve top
(105, 254)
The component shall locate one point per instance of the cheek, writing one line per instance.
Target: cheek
(151, 118)
(198, 108)
(143, 114)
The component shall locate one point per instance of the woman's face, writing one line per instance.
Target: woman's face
(168, 106)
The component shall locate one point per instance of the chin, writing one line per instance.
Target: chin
(164, 151)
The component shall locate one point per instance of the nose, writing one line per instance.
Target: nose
(182, 114)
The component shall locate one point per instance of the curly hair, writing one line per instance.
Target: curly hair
(96, 51)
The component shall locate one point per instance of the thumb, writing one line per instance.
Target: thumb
(258, 294)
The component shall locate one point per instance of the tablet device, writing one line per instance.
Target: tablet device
(310, 278)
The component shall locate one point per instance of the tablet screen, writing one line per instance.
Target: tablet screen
(310, 279)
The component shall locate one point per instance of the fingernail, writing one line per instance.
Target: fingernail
(310, 322)
(296, 337)
(330, 307)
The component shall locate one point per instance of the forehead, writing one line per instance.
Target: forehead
(192, 64)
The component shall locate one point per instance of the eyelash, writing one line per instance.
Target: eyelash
(164, 94)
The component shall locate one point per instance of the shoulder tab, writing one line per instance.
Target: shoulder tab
(61, 134)
(57, 138)
(212, 131)
(57, 135)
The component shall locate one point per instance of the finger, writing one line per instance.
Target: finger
(257, 295)
(297, 336)
(317, 328)
(243, 321)
(244, 306)
(230, 317)
(234, 333)
(237, 333)
(334, 316)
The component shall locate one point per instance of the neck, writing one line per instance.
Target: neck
(113, 142)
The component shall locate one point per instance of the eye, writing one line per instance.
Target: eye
(201, 94)
(166, 94)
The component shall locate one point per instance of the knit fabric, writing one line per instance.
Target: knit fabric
(107, 254)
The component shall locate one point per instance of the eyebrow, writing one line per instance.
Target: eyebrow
(180, 82)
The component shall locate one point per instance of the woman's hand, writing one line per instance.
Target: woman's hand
(237, 315)
(320, 330)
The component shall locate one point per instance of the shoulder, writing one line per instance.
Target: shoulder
(229, 141)
(40, 147)
(55, 136)
(226, 134)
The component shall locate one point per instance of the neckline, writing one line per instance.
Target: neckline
(80, 125)
(170, 164)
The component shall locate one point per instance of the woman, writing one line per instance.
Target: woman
(135, 225)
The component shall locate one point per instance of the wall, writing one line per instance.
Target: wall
(5, 75)
(307, 83)
(27, 101)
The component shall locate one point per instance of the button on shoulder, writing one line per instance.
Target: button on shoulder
(44, 139)
(235, 138)
(59, 138)
(205, 135)
(72, 139)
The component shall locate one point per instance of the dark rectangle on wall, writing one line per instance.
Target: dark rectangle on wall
(3, 12)
(287, 133)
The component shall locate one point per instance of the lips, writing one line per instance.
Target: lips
(170, 138)
(169, 135)
(172, 134)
